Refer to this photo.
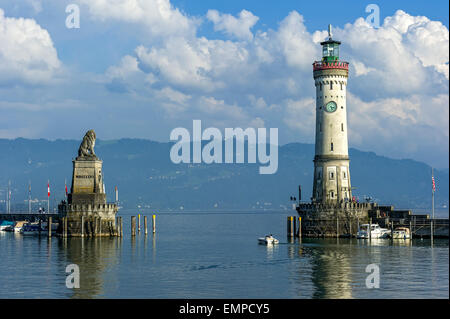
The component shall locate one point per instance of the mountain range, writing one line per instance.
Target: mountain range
(146, 177)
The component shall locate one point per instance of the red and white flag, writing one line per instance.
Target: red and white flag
(48, 188)
(434, 184)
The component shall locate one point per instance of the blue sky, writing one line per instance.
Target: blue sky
(139, 69)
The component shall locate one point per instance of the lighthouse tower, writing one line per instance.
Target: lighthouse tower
(331, 162)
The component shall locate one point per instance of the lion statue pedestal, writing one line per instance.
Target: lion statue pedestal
(87, 212)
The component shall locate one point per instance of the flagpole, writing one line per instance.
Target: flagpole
(9, 197)
(48, 197)
(432, 204)
(29, 197)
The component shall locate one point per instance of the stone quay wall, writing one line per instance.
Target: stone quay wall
(86, 220)
(333, 220)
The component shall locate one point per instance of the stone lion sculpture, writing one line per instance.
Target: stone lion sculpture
(87, 145)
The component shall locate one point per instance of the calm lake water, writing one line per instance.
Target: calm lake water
(216, 255)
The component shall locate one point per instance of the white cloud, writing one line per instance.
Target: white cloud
(238, 27)
(405, 55)
(398, 84)
(159, 17)
(27, 54)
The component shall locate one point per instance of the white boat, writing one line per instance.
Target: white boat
(268, 240)
(6, 224)
(376, 232)
(401, 233)
(18, 226)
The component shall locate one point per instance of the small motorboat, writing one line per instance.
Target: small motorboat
(6, 224)
(401, 233)
(18, 226)
(268, 240)
(376, 232)
(30, 229)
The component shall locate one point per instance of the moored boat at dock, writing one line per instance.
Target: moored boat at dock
(6, 224)
(401, 233)
(30, 229)
(375, 232)
(18, 226)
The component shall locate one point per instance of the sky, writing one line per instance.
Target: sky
(140, 68)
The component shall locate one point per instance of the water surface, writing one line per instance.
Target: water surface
(216, 255)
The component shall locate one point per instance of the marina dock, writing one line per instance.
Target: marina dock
(31, 217)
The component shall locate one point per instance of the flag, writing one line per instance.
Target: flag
(65, 187)
(434, 184)
(48, 188)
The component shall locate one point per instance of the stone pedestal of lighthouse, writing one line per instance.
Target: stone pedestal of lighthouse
(87, 212)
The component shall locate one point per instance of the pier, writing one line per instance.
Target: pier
(31, 217)
(343, 220)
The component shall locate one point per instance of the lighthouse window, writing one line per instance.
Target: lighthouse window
(341, 86)
(331, 85)
(320, 86)
(332, 194)
(342, 127)
(345, 175)
(331, 175)
(331, 148)
(320, 127)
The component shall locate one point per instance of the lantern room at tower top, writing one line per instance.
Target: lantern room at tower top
(330, 55)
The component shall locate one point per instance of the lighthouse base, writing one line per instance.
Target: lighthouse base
(333, 220)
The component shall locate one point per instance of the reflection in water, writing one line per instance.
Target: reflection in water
(331, 272)
(95, 257)
(271, 249)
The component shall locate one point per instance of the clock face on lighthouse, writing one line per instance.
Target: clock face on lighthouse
(331, 107)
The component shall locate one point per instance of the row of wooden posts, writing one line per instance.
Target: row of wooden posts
(133, 224)
(292, 230)
(97, 226)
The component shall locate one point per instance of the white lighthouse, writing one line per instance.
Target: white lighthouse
(331, 161)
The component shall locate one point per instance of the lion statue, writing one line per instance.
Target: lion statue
(87, 145)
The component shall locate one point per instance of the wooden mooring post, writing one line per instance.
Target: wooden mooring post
(49, 226)
(145, 225)
(82, 226)
(299, 227)
(139, 223)
(154, 223)
(290, 226)
(121, 227)
(64, 227)
(133, 225)
(392, 229)
(410, 229)
(370, 228)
